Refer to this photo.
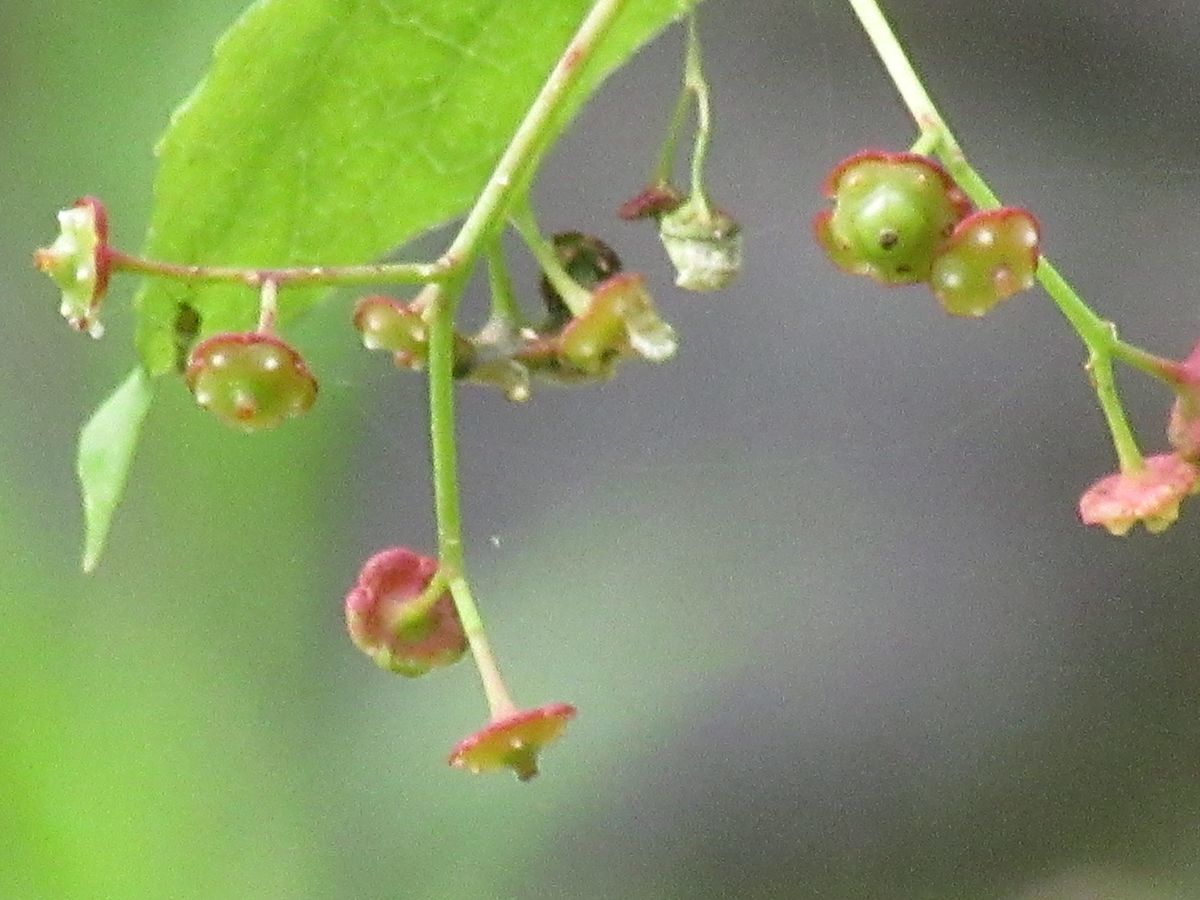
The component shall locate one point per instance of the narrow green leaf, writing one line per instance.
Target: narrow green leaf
(332, 131)
(106, 446)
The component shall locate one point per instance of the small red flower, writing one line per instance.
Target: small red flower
(513, 741)
(1151, 495)
(388, 621)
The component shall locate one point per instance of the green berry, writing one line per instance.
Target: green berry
(250, 381)
(891, 213)
(620, 320)
(991, 255)
(401, 329)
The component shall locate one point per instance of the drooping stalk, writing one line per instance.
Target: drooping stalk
(936, 138)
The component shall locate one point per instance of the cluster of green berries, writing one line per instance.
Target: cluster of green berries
(618, 321)
(900, 218)
(254, 380)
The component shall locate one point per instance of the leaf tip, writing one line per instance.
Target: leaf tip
(106, 446)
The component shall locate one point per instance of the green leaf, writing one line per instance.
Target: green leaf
(332, 131)
(106, 446)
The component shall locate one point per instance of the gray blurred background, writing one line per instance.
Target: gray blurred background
(817, 587)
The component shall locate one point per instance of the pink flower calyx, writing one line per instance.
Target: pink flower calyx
(1151, 495)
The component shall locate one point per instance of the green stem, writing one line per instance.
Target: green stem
(500, 702)
(501, 187)
(694, 81)
(926, 144)
(573, 294)
(504, 300)
(416, 612)
(443, 446)
(1128, 454)
(268, 307)
(1098, 335)
(1168, 371)
(380, 273)
(446, 496)
(481, 223)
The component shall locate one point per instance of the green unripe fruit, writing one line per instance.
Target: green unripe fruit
(79, 262)
(991, 255)
(891, 213)
(620, 321)
(250, 381)
(401, 329)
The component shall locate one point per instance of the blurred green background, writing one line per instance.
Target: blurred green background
(817, 587)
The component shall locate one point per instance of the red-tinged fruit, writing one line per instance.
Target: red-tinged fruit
(991, 255)
(620, 320)
(400, 328)
(891, 213)
(1150, 495)
(250, 380)
(79, 262)
(513, 742)
(392, 617)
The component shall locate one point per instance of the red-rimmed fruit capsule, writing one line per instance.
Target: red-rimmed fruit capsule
(249, 380)
(891, 213)
(991, 255)
(513, 741)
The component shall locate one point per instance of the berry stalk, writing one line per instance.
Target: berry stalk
(574, 295)
(447, 504)
(493, 203)
(367, 274)
(697, 85)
